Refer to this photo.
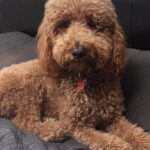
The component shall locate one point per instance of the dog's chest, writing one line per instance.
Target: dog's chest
(81, 105)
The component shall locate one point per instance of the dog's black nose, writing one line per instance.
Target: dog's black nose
(78, 53)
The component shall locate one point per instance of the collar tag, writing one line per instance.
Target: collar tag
(81, 84)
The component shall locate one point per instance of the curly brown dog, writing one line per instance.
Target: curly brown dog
(74, 86)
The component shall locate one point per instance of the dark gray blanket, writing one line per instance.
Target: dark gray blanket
(16, 47)
(12, 138)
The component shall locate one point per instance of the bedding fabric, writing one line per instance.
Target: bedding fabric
(16, 47)
(12, 138)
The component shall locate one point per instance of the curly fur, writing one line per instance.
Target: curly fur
(41, 95)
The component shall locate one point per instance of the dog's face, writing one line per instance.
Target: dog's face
(81, 36)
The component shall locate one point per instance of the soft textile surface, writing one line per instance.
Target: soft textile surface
(136, 88)
(12, 138)
(17, 47)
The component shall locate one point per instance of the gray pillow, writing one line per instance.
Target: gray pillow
(136, 88)
(16, 47)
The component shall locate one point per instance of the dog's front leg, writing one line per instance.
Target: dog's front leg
(48, 130)
(132, 134)
(97, 140)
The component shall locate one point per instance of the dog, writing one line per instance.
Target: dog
(74, 85)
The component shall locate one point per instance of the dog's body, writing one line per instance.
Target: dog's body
(74, 86)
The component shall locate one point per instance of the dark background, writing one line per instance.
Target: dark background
(26, 15)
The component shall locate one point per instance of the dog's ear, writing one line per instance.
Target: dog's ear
(118, 60)
(119, 53)
(45, 49)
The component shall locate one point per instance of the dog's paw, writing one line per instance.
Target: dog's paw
(142, 141)
(112, 144)
(52, 138)
(47, 137)
(56, 136)
(119, 144)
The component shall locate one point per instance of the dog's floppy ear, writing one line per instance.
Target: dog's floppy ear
(45, 49)
(119, 53)
(118, 60)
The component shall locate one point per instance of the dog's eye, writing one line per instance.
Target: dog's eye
(107, 29)
(91, 23)
(64, 24)
(101, 29)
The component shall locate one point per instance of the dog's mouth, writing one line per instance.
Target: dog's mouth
(82, 83)
(86, 80)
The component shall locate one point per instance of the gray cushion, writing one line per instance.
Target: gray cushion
(136, 85)
(17, 47)
(12, 138)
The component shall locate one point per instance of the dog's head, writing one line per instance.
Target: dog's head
(81, 36)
